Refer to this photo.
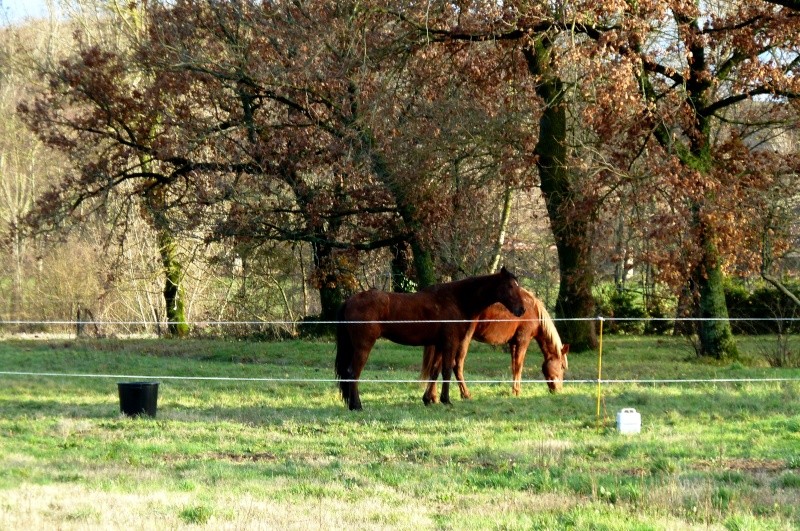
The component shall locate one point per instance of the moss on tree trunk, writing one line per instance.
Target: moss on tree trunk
(714, 328)
(407, 209)
(331, 290)
(570, 228)
(156, 208)
(173, 294)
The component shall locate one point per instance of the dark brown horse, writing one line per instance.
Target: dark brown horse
(439, 315)
(496, 326)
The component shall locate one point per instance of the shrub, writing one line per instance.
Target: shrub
(658, 311)
(621, 304)
(762, 310)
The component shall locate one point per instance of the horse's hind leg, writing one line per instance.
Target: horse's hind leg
(355, 399)
(447, 356)
(429, 397)
(433, 362)
(358, 365)
(361, 352)
(349, 387)
(444, 398)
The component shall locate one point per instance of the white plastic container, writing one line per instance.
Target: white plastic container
(629, 421)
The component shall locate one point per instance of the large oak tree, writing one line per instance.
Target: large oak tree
(659, 83)
(301, 122)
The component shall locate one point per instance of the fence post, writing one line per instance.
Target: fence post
(599, 365)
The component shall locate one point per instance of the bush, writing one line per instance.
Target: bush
(763, 310)
(315, 327)
(616, 304)
(657, 310)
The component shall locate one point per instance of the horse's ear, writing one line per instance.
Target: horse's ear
(565, 350)
(505, 272)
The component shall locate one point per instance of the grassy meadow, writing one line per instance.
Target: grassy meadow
(250, 454)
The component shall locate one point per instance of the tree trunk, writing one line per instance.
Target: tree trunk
(172, 268)
(714, 328)
(716, 336)
(173, 294)
(505, 216)
(17, 281)
(330, 298)
(331, 292)
(620, 266)
(422, 257)
(423, 264)
(570, 228)
(400, 281)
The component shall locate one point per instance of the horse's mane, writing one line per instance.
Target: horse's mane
(548, 325)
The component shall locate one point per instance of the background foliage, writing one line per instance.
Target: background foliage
(199, 161)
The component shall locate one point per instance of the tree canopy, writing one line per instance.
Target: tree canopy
(353, 127)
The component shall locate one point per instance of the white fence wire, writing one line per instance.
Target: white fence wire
(68, 322)
(392, 380)
(567, 381)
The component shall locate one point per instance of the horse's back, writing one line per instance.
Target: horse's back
(405, 318)
(419, 318)
(370, 305)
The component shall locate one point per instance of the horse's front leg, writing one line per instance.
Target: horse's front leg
(516, 370)
(461, 357)
(518, 350)
(458, 368)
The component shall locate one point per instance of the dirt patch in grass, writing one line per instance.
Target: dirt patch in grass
(743, 464)
(242, 458)
(246, 457)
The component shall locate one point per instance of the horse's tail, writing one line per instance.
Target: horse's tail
(428, 363)
(344, 355)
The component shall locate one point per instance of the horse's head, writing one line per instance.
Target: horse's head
(554, 367)
(509, 293)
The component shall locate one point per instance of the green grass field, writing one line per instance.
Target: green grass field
(279, 455)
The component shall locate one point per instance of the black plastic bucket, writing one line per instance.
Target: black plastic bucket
(138, 398)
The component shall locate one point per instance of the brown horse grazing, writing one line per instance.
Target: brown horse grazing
(440, 315)
(496, 326)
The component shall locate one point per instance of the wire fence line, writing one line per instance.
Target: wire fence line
(409, 321)
(645, 381)
(593, 381)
